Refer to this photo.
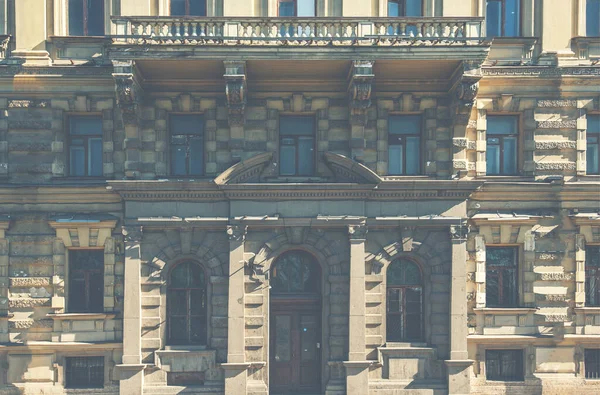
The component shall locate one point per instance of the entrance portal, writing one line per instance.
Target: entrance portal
(295, 319)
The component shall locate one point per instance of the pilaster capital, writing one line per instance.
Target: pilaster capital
(459, 232)
(236, 232)
(132, 234)
(236, 91)
(357, 232)
(360, 86)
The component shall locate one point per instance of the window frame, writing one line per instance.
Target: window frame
(67, 366)
(402, 337)
(503, 19)
(586, 363)
(170, 144)
(419, 134)
(85, 18)
(517, 134)
(402, 5)
(314, 143)
(295, 9)
(520, 364)
(205, 340)
(517, 275)
(70, 271)
(187, 9)
(70, 137)
(587, 137)
(588, 267)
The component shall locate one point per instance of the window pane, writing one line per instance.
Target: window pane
(413, 7)
(512, 14)
(305, 156)
(296, 126)
(394, 300)
(178, 330)
(197, 155)
(197, 330)
(593, 123)
(76, 17)
(501, 256)
(492, 158)
(510, 155)
(177, 7)
(178, 159)
(95, 157)
(393, 9)
(593, 165)
(287, 160)
(405, 124)
(95, 17)
(96, 292)
(592, 364)
(177, 302)
(395, 159)
(592, 18)
(286, 8)
(502, 125)
(493, 18)
(84, 372)
(413, 156)
(198, 7)
(77, 161)
(306, 8)
(85, 126)
(197, 303)
(283, 341)
(77, 302)
(186, 124)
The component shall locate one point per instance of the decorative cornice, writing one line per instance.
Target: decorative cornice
(541, 71)
(248, 170)
(236, 91)
(569, 124)
(63, 71)
(29, 124)
(359, 90)
(556, 103)
(28, 103)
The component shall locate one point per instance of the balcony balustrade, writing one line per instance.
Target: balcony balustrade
(258, 31)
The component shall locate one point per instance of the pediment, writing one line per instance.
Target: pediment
(348, 170)
(246, 171)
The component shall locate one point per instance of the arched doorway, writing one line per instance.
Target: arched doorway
(295, 319)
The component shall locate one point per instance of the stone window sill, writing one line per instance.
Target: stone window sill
(505, 310)
(588, 309)
(81, 316)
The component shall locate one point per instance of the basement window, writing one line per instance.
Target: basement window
(86, 17)
(593, 144)
(503, 18)
(592, 363)
(501, 277)
(504, 365)
(84, 372)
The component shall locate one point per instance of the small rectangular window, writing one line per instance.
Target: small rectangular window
(86, 281)
(404, 145)
(592, 275)
(86, 17)
(85, 146)
(503, 18)
(84, 372)
(502, 139)
(504, 365)
(188, 7)
(593, 144)
(296, 145)
(300, 8)
(404, 8)
(592, 18)
(187, 145)
(501, 277)
(592, 363)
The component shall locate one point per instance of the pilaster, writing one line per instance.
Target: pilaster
(4, 248)
(31, 33)
(359, 99)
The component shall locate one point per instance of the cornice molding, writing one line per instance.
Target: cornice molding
(541, 71)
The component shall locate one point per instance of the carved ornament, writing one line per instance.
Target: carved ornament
(236, 91)
(132, 234)
(128, 97)
(459, 232)
(360, 87)
(28, 103)
(236, 232)
(357, 232)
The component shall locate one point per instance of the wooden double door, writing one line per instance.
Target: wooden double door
(295, 347)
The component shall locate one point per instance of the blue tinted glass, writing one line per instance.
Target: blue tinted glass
(76, 17)
(592, 18)
(95, 157)
(502, 125)
(77, 161)
(393, 9)
(306, 8)
(198, 7)
(513, 18)
(196, 156)
(395, 160)
(492, 159)
(305, 156)
(178, 159)
(85, 126)
(177, 7)
(287, 160)
(95, 17)
(593, 124)
(593, 167)
(412, 155)
(493, 18)
(187, 124)
(405, 124)
(413, 7)
(296, 126)
(510, 155)
(286, 8)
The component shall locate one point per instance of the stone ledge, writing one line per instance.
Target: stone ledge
(505, 310)
(81, 316)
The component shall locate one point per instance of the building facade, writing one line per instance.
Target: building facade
(277, 196)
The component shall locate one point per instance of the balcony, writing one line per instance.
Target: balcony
(255, 37)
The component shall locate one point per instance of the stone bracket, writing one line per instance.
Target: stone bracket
(128, 91)
(464, 91)
(236, 91)
(360, 87)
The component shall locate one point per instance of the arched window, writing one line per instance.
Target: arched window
(404, 302)
(186, 305)
(295, 272)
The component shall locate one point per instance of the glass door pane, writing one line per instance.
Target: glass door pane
(283, 339)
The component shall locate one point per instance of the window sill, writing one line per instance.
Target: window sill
(185, 348)
(588, 309)
(501, 178)
(505, 310)
(81, 316)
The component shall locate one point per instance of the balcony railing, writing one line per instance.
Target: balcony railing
(300, 31)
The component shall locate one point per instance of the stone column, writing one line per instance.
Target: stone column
(236, 366)
(458, 365)
(132, 370)
(357, 367)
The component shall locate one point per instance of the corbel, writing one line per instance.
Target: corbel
(465, 91)
(360, 87)
(128, 91)
(236, 91)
